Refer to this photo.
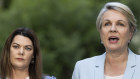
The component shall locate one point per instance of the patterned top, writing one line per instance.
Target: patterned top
(44, 77)
(49, 77)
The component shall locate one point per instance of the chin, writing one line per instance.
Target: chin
(113, 48)
(19, 65)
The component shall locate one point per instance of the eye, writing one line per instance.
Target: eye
(28, 48)
(120, 24)
(107, 24)
(16, 47)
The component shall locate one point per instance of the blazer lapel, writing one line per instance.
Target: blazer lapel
(129, 71)
(99, 67)
(131, 64)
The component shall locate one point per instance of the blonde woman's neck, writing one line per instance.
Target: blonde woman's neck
(115, 63)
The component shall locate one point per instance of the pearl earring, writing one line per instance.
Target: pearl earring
(102, 42)
(129, 41)
(32, 61)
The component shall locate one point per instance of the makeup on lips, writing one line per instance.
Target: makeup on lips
(20, 59)
(113, 39)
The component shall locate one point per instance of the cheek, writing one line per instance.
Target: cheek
(12, 56)
(29, 56)
(127, 35)
(12, 53)
(102, 35)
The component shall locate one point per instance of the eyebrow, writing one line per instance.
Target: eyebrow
(15, 43)
(25, 45)
(122, 21)
(117, 20)
(106, 19)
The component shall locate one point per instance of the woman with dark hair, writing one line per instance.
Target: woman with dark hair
(21, 57)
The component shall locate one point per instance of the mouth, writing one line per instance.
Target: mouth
(20, 59)
(113, 39)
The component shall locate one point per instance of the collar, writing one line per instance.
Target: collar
(131, 63)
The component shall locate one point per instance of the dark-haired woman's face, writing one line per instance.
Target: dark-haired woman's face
(21, 52)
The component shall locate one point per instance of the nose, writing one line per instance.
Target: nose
(113, 28)
(21, 52)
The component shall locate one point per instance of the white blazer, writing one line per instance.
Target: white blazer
(93, 68)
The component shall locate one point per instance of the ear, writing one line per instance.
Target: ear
(132, 30)
(131, 35)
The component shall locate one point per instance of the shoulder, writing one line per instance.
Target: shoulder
(137, 58)
(89, 62)
(134, 57)
(83, 67)
(132, 54)
(49, 77)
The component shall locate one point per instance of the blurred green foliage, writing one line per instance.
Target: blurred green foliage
(66, 29)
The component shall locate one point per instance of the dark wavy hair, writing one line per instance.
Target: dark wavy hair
(35, 69)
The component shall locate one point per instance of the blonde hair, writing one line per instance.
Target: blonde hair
(125, 10)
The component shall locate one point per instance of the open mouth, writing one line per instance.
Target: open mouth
(113, 39)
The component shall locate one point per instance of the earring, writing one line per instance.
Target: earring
(129, 41)
(32, 61)
(102, 42)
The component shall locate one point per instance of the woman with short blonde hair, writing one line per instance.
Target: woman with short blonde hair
(116, 24)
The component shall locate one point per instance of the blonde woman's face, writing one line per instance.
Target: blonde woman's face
(115, 33)
(21, 52)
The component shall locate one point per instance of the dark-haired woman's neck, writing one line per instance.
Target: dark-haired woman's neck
(20, 73)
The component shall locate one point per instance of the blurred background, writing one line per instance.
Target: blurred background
(66, 29)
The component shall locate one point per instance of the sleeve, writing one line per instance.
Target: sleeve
(75, 74)
(49, 77)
